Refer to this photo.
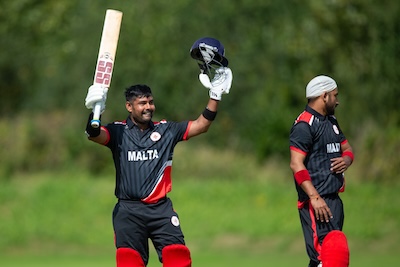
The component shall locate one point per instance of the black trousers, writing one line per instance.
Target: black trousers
(136, 222)
(315, 231)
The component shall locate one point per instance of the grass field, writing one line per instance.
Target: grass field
(245, 216)
(200, 259)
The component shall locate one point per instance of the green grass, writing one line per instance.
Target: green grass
(233, 213)
(200, 259)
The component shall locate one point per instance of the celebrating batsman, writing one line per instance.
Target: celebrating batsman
(319, 156)
(142, 150)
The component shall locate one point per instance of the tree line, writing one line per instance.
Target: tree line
(274, 49)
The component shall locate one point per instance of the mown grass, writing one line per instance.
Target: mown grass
(234, 212)
(210, 259)
(201, 259)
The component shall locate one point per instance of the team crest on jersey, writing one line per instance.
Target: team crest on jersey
(155, 136)
(175, 221)
(335, 129)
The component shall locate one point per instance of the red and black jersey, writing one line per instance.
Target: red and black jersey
(143, 159)
(319, 138)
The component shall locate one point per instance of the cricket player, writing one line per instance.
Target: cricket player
(142, 150)
(319, 156)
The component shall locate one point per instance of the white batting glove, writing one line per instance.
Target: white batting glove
(221, 83)
(96, 93)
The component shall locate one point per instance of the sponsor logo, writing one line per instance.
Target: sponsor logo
(332, 147)
(104, 70)
(142, 155)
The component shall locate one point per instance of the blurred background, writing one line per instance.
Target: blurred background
(233, 187)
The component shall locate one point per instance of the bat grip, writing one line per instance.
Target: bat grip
(95, 122)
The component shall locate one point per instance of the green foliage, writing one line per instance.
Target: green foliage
(235, 199)
(274, 49)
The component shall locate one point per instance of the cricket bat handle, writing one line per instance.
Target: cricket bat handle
(95, 122)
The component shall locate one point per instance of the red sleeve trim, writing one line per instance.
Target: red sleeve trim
(301, 176)
(185, 136)
(349, 154)
(108, 135)
(298, 150)
(344, 142)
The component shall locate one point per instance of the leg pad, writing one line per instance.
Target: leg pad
(127, 257)
(335, 250)
(176, 256)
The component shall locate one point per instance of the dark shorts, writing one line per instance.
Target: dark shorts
(136, 222)
(315, 231)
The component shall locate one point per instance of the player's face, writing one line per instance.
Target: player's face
(332, 102)
(141, 109)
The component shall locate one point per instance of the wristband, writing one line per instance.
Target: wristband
(91, 131)
(349, 154)
(302, 176)
(209, 115)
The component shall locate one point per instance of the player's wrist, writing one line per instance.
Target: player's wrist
(209, 115)
(215, 94)
(90, 130)
(315, 196)
(302, 176)
(348, 154)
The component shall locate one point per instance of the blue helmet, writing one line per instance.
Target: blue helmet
(210, 51)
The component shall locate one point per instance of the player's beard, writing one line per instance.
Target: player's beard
(330, 109)
(147, 116)
(143, 118)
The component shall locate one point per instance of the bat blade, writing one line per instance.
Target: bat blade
(106, 56)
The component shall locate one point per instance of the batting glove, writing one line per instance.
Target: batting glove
(96, 94)
(220, 84)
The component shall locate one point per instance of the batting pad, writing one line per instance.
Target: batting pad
(127, 257)
(176, 256)
(335, 250)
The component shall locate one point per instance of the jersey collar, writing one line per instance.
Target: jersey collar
(315, 113)
(131, 124)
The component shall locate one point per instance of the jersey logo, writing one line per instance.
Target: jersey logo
(155, 136)
(335, 129)
(175, 221)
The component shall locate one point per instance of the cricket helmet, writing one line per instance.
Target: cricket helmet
(210, 51)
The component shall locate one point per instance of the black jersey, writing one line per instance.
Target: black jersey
(143, 159)
(319, 138)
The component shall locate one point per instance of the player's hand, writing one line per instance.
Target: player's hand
(220, 84)
(339, 165)
(96, 93)
(322, 211)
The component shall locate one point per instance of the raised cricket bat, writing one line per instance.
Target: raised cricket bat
(106, 57)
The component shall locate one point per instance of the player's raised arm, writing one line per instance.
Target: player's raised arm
(210, 55)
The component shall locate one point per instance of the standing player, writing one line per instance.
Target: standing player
(319, 156)
(142, 151)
